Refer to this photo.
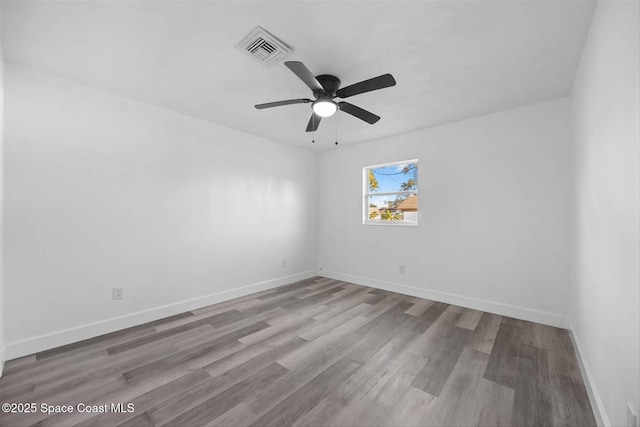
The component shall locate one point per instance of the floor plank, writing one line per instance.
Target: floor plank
(469, 319)
(467, 396)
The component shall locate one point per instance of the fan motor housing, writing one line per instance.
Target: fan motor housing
(330, 83)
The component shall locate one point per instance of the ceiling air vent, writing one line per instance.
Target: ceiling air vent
(263, 46)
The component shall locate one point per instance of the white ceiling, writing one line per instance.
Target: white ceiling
(452, 59)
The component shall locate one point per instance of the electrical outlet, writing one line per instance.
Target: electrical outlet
(631, 416)
(403, 269)
(117, 293)
(284, 263)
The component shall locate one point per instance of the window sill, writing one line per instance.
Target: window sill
(392, 223)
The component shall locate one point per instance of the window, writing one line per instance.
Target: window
(391, 193)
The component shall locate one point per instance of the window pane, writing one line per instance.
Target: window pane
(400, 177)
(391, 193)
(401, 207)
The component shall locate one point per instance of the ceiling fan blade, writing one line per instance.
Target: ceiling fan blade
(358, 112)
(314, 122)
(303, 73)
(280, 103)
(380, 82)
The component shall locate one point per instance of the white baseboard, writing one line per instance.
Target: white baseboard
(50, 340)
(517, 312)
(594, 397)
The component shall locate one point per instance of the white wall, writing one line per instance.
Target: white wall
(605, 291)
(494, 211)
(103, 191)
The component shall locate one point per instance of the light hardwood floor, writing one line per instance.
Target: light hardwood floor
(314, 353)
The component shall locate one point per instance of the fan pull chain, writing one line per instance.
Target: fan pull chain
(336, 128)
(313, 123)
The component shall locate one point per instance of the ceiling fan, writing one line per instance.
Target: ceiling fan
(325, 89)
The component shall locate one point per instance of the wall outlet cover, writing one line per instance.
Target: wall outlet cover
(117, 293)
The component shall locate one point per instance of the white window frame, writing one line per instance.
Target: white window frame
(367, 194)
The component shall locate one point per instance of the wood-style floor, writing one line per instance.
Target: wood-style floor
(314, 353)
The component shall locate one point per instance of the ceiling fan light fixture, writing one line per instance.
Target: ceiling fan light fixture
(324, 108)
(325, 88)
